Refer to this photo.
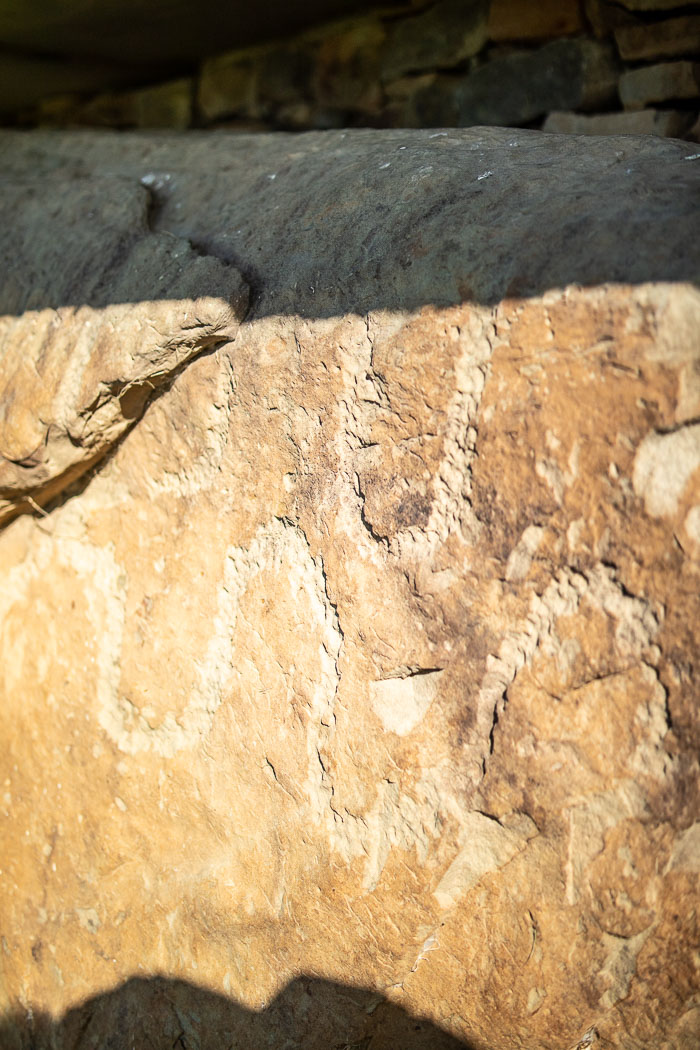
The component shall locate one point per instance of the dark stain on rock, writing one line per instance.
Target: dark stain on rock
(413, 510)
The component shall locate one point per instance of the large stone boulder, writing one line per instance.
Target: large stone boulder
(349, 610)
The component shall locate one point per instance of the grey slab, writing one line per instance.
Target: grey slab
(325, 223)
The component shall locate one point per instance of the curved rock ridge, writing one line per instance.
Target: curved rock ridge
(350, 701)
(74, 378)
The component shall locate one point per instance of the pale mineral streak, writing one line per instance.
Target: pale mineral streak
(348, 674)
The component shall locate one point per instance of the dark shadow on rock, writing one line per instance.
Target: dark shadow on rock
(159, 1013)
(323, 224)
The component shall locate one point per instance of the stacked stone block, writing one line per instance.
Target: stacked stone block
(582, 66)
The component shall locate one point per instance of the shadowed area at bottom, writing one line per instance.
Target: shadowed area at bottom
(159, 1013)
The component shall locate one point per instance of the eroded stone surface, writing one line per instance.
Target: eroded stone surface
(92, 324)
(362, 670)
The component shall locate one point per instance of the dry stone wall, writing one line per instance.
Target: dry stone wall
(349, 610)
(565, 65)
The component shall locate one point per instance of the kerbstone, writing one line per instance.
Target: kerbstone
(348, 693)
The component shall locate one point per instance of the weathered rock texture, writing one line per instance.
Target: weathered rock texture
(352, 692)
(148, 304)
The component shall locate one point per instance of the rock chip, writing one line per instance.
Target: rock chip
(351, 701)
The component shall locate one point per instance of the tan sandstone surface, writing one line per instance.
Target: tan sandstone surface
(349, 644)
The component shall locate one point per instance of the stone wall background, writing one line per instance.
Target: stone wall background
(579, 66)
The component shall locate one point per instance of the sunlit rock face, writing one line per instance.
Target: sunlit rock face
(348, 678)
